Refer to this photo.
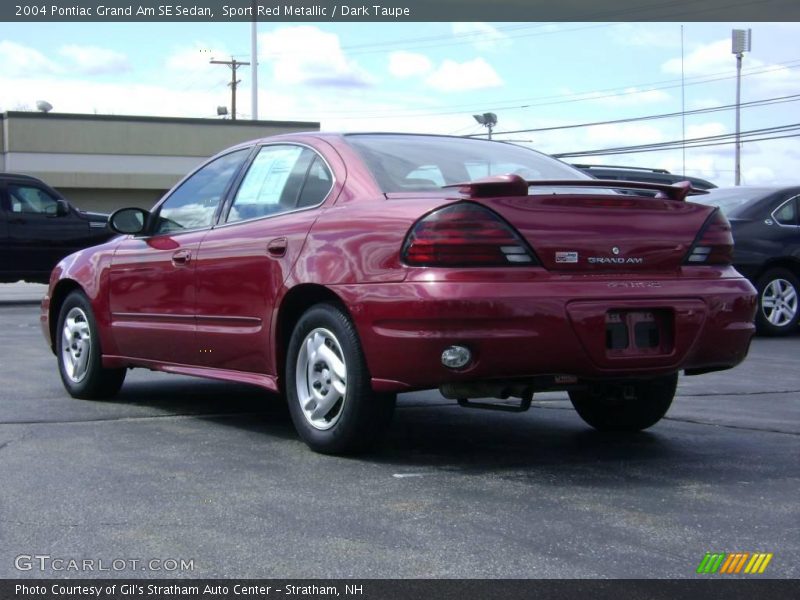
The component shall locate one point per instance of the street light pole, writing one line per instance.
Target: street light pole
(254, 61)
(740, 43)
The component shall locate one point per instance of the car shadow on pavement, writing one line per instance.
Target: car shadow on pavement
(437, 436)
(236, 405)
(478, 441)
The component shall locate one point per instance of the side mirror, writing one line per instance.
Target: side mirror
(62, 208)
(130, 221)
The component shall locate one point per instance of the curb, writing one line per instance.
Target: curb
(21, 302)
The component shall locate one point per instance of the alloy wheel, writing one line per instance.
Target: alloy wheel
(76, 346)
(321, 379)
(779, 302)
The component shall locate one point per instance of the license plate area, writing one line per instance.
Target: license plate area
(639, 332)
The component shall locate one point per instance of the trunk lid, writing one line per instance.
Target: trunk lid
(598, 230)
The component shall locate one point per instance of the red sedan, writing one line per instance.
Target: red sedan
(340, 270)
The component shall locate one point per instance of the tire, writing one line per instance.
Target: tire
(79, 354)
(328, 385)
(778, 291)
(626, 408)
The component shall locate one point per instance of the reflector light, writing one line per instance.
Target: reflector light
(456, 357)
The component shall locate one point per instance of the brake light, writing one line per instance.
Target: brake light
(465, 235)
(714, 243)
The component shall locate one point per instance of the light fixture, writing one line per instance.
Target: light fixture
(488, 120)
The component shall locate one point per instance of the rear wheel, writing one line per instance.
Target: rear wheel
(78, 352)
(778, 313)
(625, 407)
(328, 387)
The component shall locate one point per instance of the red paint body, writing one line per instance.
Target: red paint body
(218, 313)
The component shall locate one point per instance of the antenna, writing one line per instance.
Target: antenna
(44, 106)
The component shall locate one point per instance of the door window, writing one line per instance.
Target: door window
(194, 203)
(31, 200)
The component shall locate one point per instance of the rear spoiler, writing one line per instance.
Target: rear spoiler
(514, 185)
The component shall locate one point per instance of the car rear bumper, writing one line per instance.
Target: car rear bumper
(550, 325)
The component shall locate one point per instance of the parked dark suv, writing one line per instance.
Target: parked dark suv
(766, 233)
(645, 175)
(38, 228)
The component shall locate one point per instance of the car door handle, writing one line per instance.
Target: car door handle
(277, 247)
(181, 258)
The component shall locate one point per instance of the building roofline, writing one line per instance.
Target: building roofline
(146, 119)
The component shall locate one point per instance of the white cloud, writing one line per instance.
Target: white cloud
(482, 35)
(452, 76)
(758, 175)
(707, 59)
(19, 60)
(92, 60)
(624, 134)
(774, 81)
(87, 96)
(308, 55)
(189, 68)
(705, 130)
(404, 64)
(196, 57)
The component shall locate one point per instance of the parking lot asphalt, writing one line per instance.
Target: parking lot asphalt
(213, 473)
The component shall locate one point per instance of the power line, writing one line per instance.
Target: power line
(719, 143)
(674, 144)
(568, 98)
(423, 42)
(699, 111)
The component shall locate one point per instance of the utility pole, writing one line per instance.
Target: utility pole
(233, 64)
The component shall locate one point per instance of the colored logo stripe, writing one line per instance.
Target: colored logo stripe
(726, 563)
(758, 563)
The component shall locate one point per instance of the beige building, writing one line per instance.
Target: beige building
(104, 162)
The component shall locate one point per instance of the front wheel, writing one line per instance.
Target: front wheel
(778, 313)
(328, 386)
(78, 351)
(625, 407)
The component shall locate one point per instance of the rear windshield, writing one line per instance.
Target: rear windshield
(732, 201)
(405, 163)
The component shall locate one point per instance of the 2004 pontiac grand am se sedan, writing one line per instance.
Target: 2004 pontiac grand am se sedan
(343, 269)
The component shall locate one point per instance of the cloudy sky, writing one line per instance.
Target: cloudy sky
(432, 77)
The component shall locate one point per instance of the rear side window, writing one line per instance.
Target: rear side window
(281, 178)
(317, 184)
(786, 214)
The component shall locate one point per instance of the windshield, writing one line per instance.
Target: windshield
(403, 163)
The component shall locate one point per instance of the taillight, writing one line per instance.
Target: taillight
(465, 235)
(714, 244)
